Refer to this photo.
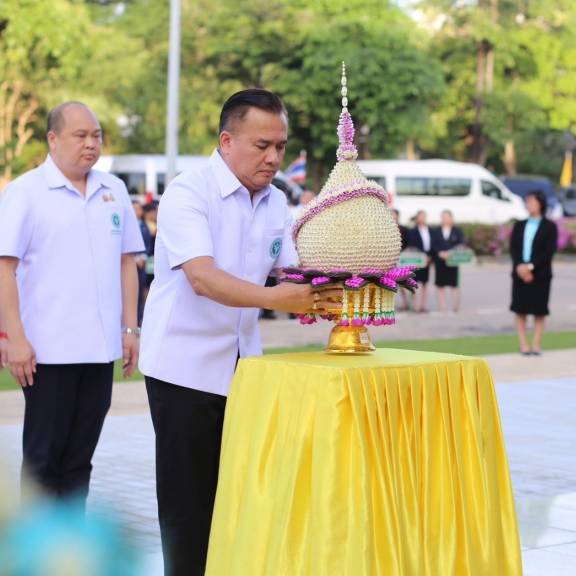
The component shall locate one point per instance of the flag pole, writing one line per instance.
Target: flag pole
(173, 91)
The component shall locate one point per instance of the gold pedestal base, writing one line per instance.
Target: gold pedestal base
(349, 340)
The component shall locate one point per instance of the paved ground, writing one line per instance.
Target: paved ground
(485, 301)
(537, 399)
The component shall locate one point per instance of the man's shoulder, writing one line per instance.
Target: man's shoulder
(197, 181)
(26, 184)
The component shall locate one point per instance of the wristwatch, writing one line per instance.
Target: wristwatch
(135, 331)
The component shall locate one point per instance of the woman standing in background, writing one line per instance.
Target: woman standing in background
(444, 239)
(532, 247)
(419, 238)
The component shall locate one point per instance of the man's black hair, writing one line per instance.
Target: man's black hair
(237, 106)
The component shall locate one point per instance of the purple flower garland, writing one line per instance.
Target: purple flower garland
(332, 201)
(388, 279)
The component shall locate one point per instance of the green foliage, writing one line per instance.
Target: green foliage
(408, 81)
(487, 239)
(52, 51)
(468, 346)
(386, 113)
(532, 77)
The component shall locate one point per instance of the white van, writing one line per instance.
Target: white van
(470, 191)
(146, 173)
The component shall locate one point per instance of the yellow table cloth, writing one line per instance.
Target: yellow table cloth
(389, 464)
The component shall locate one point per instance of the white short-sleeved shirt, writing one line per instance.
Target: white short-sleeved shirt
(69, 248)
(190, 340)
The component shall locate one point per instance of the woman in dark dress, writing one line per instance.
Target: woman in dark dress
(420, 239)
(445, 239)
(532, 247)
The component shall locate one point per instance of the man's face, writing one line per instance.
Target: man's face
(254, 147)
(76, 147)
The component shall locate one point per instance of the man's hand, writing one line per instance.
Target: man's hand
(21, 360)
(130, 350)
(303, 298)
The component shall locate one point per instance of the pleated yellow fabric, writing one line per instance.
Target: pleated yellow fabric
(391, 464)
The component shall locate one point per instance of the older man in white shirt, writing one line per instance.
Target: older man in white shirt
(222, 229)
(68, 294)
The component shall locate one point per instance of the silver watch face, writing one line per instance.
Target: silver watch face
(135, 331)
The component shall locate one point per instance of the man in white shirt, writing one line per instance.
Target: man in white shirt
(222, 229)
(68, 286)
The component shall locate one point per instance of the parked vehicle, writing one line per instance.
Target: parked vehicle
(567, 198)
(522, 184)
(146, 173)
(471, 192)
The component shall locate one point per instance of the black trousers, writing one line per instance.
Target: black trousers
(63, 418)
(188, 426)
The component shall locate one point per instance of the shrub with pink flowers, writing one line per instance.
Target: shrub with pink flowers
(494, 239)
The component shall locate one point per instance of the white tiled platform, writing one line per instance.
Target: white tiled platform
(539, 421)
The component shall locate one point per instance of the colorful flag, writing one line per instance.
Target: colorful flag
(566, 176)
(297, 170)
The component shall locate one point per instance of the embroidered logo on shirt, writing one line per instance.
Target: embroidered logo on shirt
(116, 222)
(275, 247)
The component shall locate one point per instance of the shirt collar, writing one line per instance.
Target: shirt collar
(56, 179)
(228, 183)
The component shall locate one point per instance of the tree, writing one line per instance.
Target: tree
(510, 71)
(51, 51)
(295, 49)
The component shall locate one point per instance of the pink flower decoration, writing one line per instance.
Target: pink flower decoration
(354, 282)
(294, 277)
(320, 280)
(346, 150)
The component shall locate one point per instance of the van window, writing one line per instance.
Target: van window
(422, 186)
(492, 191)
(161, 183)
(379, 180)
(135, 182)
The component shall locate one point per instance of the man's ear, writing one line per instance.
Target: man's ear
(51, 139)
(225, 141)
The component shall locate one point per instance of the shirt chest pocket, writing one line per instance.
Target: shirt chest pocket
(112, 220)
